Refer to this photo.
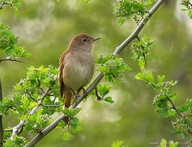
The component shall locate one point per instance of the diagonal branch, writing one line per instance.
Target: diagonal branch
(135, 33)
(139, 27)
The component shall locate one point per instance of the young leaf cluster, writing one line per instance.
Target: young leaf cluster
(118, 143)
(187, 7)
(136, 9)
(9, 44)
(165, 143)
(112, 66)
(102, 91)
(164, 92)
(140, 51)
(165, 95)
(183, 125)
(18, 142)
(36, 100)
(71, 125)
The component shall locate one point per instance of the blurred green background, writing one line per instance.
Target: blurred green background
(45, 29)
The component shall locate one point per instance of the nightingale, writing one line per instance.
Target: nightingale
(76, 66)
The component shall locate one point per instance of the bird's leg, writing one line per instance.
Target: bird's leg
(74, 94)
(84, 91)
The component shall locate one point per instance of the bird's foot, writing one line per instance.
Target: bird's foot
(75, 95)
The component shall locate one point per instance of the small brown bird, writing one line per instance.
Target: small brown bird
(76, 66)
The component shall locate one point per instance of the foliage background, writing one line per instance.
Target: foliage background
(45, 29)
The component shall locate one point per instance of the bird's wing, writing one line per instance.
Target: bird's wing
(61, 66)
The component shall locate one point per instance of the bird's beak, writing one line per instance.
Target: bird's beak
(97, 38)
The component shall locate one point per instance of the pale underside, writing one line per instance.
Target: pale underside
(78, 72)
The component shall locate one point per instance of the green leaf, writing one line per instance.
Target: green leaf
(112, 66)
(109, 100)
(71, 112)
(187, 7)
(161, 79)
(103, 89)
(163, 143)
(124, 9)
(9, 44)
(173, 144)
(146, 76)
(118, 143)
(74, 124)
(67, 135)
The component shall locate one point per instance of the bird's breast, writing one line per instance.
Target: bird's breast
(78, 70)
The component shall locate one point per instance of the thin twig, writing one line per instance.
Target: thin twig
(97, 94)
(180, 114)
(8, 130)
(3, 4)
(142, 50)
(175, 108)
(9, 59)
(190, 4)
(49, 128)
(39, 85)
(30, 95)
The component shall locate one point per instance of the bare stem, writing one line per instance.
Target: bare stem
(190, 4)
(30, 95)
(9, 59)
(3, 4)
(135, 33)
(97, 94)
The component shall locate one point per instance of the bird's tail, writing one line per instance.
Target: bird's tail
(67, 97)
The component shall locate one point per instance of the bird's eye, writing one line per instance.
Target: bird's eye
(84, 40)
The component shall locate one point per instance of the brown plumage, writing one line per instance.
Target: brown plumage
(76, 66)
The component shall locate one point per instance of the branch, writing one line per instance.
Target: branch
(30, 95)
(9, 59)
(97, 94)
(139, 27)
(135, 33)
(180, 114)
(22, 122)
(190, 4)
(3, 4)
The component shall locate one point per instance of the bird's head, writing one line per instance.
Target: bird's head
(82, 42)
